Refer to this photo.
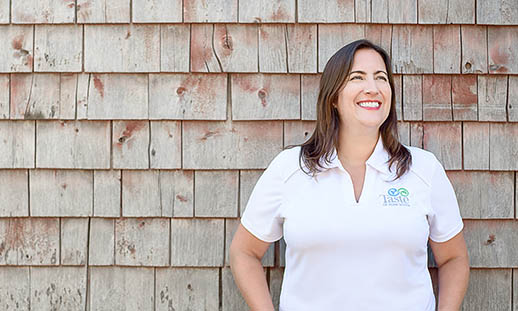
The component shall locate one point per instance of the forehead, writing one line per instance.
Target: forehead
(367, 60)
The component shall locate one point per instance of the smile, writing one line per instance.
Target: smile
(370, 105)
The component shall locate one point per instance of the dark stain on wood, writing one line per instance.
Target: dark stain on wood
(99, 86)
(181, 198)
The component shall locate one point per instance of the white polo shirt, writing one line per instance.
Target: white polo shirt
(343, 255)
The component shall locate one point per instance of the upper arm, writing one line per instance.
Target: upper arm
(247, 243)
(453, 248)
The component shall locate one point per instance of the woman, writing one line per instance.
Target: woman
(356, 208)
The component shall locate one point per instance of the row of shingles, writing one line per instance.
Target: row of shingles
(254, 97)
(247, 11)
(133, 288)
(254, 48)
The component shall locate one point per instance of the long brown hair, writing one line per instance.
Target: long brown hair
(325, 136)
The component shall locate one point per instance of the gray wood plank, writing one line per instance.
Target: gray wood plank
(446, 12)
(107, 192)
(492, 97)
(309, 96)
(130, 144)
(156, 11)
(380, 11)
(231, 226)
(43, 96)
(203, 55)
(121, 288)
(302, 48)
(117, 96)
(402, 12)
(503, 51)
(197, 242)
(119, 48)
(49, 11)
(231, 298)
(464, 96)
(273, 53)
(332, 11)
(474, 49)
(4, 96)
(331, 38)
(503, 146)
(445, 141)
(380, 35)
(58, 288)
(177, 193)
(5, 11)
(362, 11)
(14, 195)
(404, 133)
(188, 96)
(174, 47)
(412, 49)
(275, 284)
(142, 241)
(14, 294)
(247, 181)
(265, 97)
(488, 289)
(29, 241)
(73, 144)
(236, 47)
(282, 252)
(398, 90)
(492, 243)
(141, 193)
(18, 56)
(226, 145)
(101, 246)
(217, 11)
(103, 11)
(187, 289)
(503, 12)
(475, 139)
(82, 95)
(446, 49)
(61, 193)
(17, 144)
(416, 134)
(413, 97)
(512, 99)
(166, 145)
(437, 104)
(74, 241)
(484, 194)
(515, 293)
(297, 132)
(58, 48)
(265, 11)
(210, 200)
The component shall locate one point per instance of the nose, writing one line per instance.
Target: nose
(370, 86)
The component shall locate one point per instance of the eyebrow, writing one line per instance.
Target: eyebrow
(363, 72)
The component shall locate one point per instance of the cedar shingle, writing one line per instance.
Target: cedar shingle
(445, 141)
(157, 11)
(58, 288)
(130, 144)
(412, 49)
(437, 98)
(5, 11)
(231, 226)
(247, 181)
(464, 97)
(47, 12)
(101, 246)
(4, 96)
(266, 11)
(503, 48)
(74, 241)
(58, 48)
(103, 11)
(216, 11)
(14, 194)
(447, 12)
(61, 193)
(309, 96)
(446, 49)
(503, 146)
(165, 149)
(331, 38)
(297, 132)
(332, 11)
(502, 12)
(174, 48)
(17, 144)
(14, 294)
(489, 289)
(412, 97)
(492, 96)
(476, 145)
(17, 54)
(474, 49)
(210, 199)
(402, 12)
(107, 191)
(273, 53)
(302, 48)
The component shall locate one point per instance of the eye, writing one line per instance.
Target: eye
(355, 77)
(382, 77)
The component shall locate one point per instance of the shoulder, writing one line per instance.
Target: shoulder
(286, 163)
(424, 163)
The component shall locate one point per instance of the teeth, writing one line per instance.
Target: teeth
(369, 104)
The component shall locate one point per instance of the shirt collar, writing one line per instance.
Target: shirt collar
(377, 160)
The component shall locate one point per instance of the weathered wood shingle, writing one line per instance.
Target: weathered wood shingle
(5, 11)
(412, 49)
(500, 12)
(332, 11)
(74, 241)
(4, 96)
(174, 48)
(445, 141)
(331, 38)
(17, 145)
(211, 200)
(437, 104)
(475, 140)
(492, 98)
(14, 194)
(101, 246)
(14, 294)
(103, 11)
(58, 288)
(130, 144)
(217, 11)
(297, 132)
(446, 49)
(58, 48)
(464, 96)
(157, 11)
(17, 55)
(474, 49)
(488, 289)
(503, 146)
(107, 192)
(446, 11)
(266, 11)
(412, 97)
(503, 48)
(49, 11)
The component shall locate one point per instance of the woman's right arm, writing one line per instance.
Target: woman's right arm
(246, 252)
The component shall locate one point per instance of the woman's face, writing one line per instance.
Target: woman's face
(364, 102)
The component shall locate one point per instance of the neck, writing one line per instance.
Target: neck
(354, 148)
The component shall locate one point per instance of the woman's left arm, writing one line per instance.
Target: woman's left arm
(453, 263)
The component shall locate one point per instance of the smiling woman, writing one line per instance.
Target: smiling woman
(355, 206)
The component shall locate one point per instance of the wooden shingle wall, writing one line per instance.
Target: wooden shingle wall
(133, 131)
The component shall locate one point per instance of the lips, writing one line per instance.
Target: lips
(369, 104)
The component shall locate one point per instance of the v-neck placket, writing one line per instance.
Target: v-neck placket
(349, 186)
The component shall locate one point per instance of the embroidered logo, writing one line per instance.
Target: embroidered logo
(396, 197)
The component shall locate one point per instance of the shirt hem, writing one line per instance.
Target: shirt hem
(449, 235)
(261, 237)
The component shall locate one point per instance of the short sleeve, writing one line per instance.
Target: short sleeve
(445, 219)
(262, 215)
